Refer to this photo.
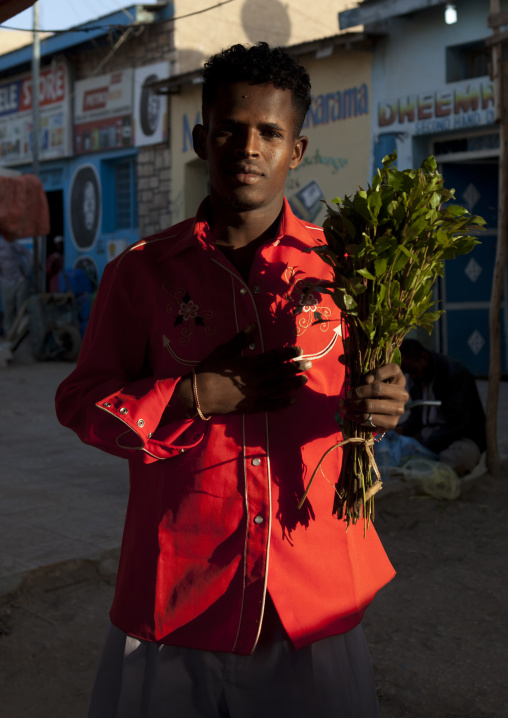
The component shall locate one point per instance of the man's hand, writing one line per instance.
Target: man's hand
(382, 397)
(228, 382)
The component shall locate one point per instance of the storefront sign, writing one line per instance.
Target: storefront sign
(457, 106)
(338, 105)
(150, 110)
(16, 120)
(103, 112)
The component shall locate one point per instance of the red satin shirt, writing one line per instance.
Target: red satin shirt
(212, 520)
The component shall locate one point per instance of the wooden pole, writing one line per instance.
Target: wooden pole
(499, 72)
(36, 65)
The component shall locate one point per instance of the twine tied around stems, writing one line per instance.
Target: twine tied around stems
(369, 443)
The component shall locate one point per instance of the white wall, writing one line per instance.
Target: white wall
(409, 65)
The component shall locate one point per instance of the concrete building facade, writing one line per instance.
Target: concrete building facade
(109, 175)
(432, 95)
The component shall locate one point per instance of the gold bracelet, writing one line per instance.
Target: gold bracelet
(196, 400)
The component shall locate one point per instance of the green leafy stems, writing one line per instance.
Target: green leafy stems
(387, 245)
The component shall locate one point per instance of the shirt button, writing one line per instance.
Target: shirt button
(150, 435)
(123, 410)
(252, 346)
(107, 404)
(256, 462)
(141, 422)
(258, 520)
(257, 289)
(243, 290)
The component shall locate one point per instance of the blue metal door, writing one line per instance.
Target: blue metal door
(467, 283)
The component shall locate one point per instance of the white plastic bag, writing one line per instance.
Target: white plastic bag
(433, 477)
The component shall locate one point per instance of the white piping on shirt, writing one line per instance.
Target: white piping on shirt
(246, 498)
(186, 362)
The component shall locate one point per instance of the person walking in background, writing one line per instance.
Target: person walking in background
(455, 431)
(54, 264)
(15, 269)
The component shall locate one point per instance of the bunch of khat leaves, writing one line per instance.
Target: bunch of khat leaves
(386, 246)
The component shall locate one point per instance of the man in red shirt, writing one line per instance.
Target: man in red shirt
(211, 364)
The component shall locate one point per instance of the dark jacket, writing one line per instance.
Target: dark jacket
(462, 408)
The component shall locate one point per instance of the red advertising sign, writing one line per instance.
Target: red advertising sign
(103, 112)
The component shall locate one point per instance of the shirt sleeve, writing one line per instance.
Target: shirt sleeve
(110, 400)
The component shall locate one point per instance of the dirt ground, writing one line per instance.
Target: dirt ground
(438, 632)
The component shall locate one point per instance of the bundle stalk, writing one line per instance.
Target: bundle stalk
(386, 246)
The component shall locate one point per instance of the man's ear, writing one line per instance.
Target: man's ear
(298, 151)
(199, 141)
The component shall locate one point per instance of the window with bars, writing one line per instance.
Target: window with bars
(126, 194)
(120, 189)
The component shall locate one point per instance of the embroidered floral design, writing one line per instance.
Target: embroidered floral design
(188, 315)
(188, 310)
(306, 301)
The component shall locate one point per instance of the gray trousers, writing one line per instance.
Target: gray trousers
(332, 678)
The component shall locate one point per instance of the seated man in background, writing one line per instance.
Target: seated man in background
(455, 431)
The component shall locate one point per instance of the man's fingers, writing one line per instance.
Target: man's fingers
(276, 357)
(276, 376)
(379, 390)
(360, 410)
(279, 385)
(391, 373)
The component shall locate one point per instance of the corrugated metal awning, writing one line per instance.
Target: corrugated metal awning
(376, 11)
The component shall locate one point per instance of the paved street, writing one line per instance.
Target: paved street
(60, 499)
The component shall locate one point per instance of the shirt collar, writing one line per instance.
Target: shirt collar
(289, 227)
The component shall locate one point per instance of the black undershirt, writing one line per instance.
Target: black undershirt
(242, 257)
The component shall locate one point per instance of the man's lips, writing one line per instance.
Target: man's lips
(245, 174)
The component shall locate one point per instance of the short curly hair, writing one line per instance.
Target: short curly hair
(257, 64)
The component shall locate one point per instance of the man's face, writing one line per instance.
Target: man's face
(416, 367)
(249, 144)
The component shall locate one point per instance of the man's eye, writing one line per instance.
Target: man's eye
(272, 134)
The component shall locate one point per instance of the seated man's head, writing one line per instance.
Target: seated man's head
(415, 359)
(254, 104)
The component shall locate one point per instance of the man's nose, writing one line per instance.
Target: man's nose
(247, 144)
